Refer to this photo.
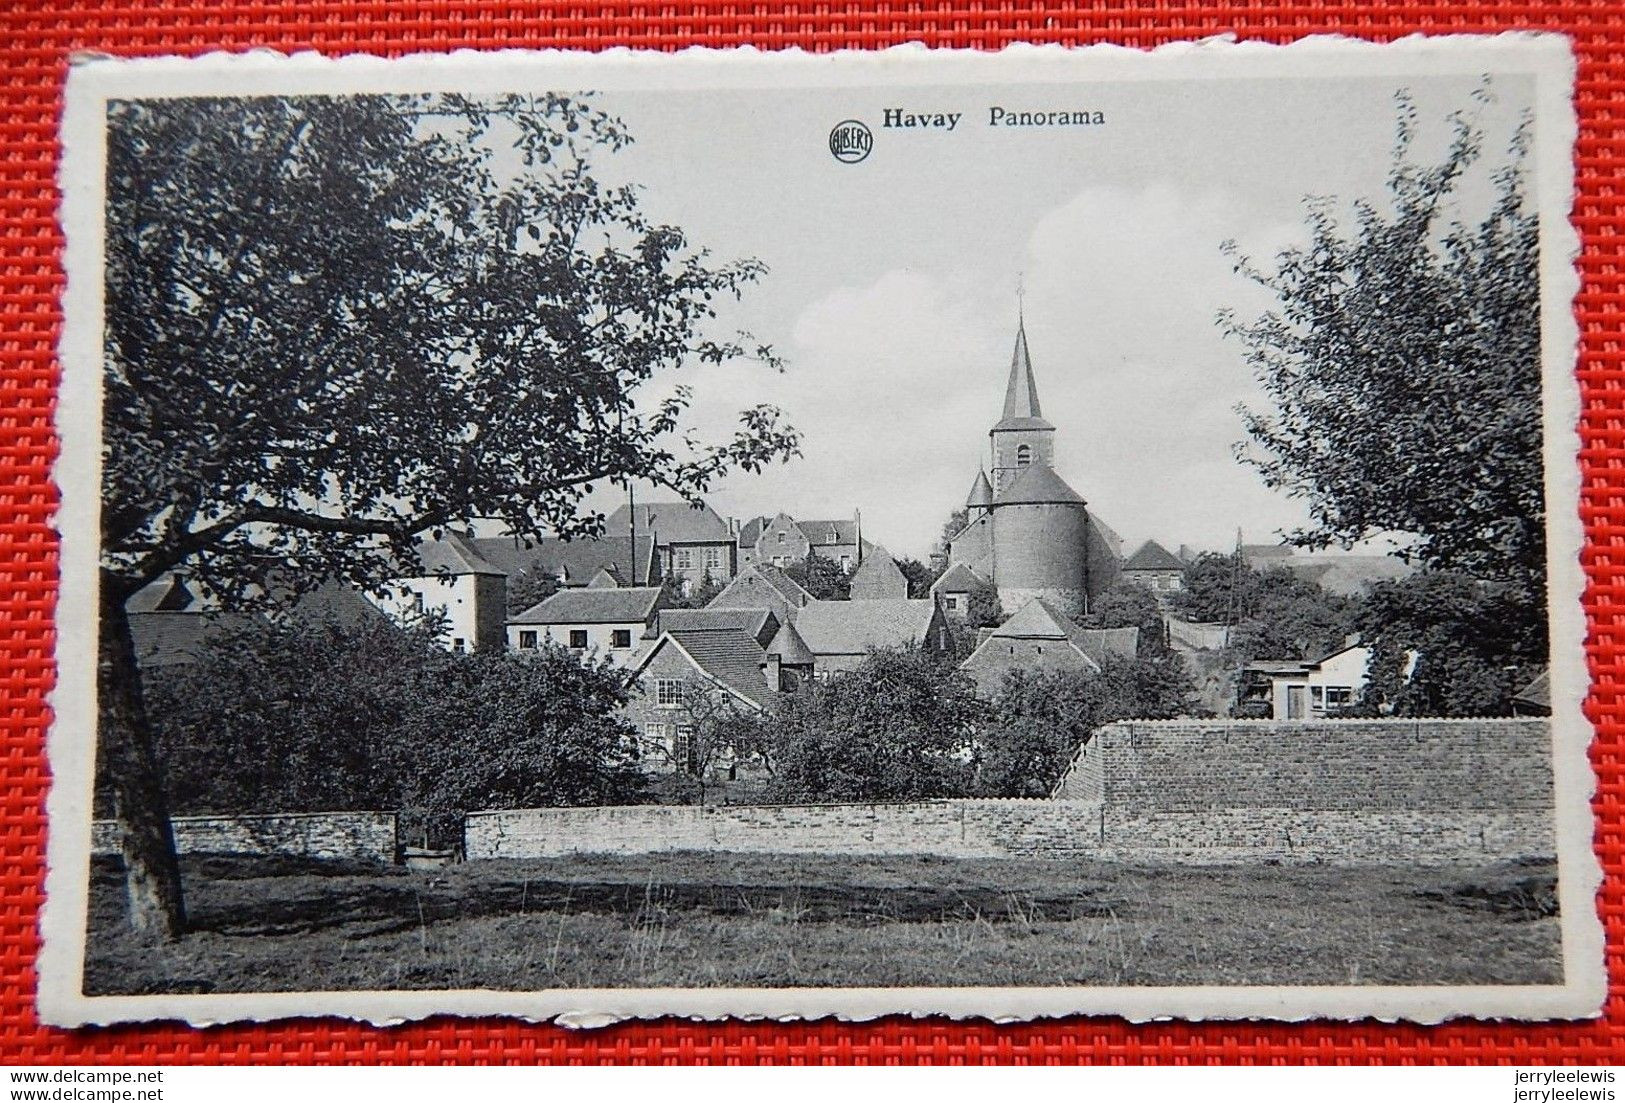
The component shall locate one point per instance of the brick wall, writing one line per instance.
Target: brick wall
(356, 836)
(1326, 791)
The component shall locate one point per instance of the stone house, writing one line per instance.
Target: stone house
(878, 578)
(762, 586)
(611, 622)
(781, 540)
(687, 681)
(1156, 568)
(954, 588)
(456, 582)
(692, 541)
(1040, 637)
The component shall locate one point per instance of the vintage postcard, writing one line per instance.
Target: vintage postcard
(1005, 535)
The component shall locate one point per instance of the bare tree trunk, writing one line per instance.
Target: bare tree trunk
(152, 876)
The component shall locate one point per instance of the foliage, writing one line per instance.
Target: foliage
(1444, 644)
(921, 576)
(696, 595)
(821, 577)
(527, 588)
(1040, 718)
(335, 322)
(952, 527)
(1276, 613)
(250, 726)
(901, 726)
(1403, 361)
(1131, 605)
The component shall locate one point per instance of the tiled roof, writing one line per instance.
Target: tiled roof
(337, 603)
(732, 658)
(751, 531)
(818, 532)
(1039, 620)
(1099, 643)
(877, 577)
(790, 648)
(1021, 409)
(174, 638)
(789, 590)
(673, 523)
(853, 627)
(165, 594)
(959, 579)
(981, 491)
(578, 560)
(755, 623)
(1538, 693)
(1152, 556)
(1038, 485)
(586, 606)
(454, 554)
(1113, 542)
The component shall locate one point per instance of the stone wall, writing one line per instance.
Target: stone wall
(948, 828)
(354, 836)
(1428, 792)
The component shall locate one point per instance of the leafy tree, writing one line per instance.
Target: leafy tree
(1403, 363)
(693, 596)
(1445, 644)
(1131, 605)
(952, 527)
(821, 577)
(722, 733)
(901, 726)
(334, 324)
(921, 577)
(248, 727)
(1217, 589)
(1291, 617)
(1041, 718)
(528, 588)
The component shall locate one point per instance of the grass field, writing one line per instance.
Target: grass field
(755, 920)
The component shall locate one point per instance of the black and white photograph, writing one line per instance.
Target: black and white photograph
(989, 534)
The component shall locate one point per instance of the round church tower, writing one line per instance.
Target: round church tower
(1040, 533)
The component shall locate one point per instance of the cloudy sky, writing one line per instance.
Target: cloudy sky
(892, 283)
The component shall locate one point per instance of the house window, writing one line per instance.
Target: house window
(457, 644)
(713, 559)
(778, 560)
(578, 638)
(1317, 696)
(621, 637)
(1024, 455)
(682, 748)
(527, 639)
(951, 602)
(781, 537)
(846, 564)
(1339, 697)
(685, 559)
(668, 692)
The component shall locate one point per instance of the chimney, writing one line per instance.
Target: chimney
(773, 671)
(857, 531)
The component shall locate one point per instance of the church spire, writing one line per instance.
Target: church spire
(1021, 393)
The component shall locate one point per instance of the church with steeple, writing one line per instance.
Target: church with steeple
(1027, 533)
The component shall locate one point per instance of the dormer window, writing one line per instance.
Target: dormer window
(834, 537)
(1024, 455)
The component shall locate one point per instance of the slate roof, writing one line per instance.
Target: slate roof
(587, 606)
(454, 554)
(1038, 484)
(1021, 409)
(878, 577)
(732, 658)
(336, 602)
(1037, 619)
(959, 579)
(791, 593)
(759, 624)
(791, 649)
(177, 638)
(854, 627)
(818, 532)
(1537, 695)
(981, 491)
(751, 531)
(1152, 556)
(673, 523)
(167, 593)
(578, 560)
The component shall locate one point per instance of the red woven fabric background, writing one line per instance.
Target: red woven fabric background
(36, 38)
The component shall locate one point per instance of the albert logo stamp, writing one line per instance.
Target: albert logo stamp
(850, 141)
